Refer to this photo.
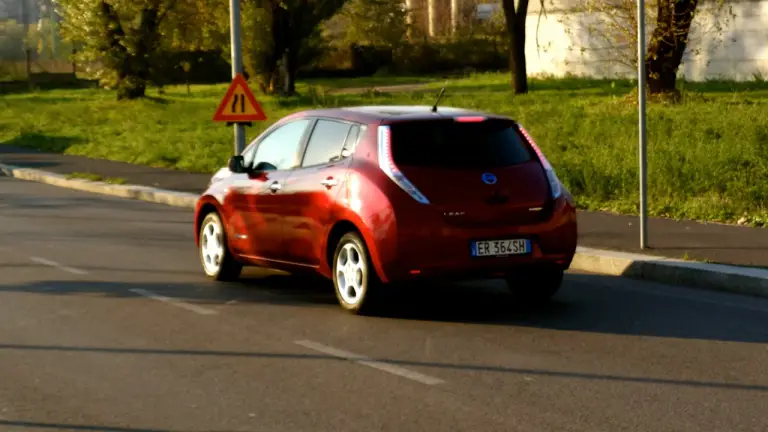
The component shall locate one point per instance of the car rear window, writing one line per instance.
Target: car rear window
(450, 144)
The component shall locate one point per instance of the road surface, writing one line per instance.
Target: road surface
(107, 324)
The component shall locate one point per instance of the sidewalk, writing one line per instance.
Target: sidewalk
(716, 243)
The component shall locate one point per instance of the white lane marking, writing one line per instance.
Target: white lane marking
(174, 302)
(58, 266)
(367, 361)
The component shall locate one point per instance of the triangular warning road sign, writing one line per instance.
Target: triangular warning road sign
(239, 104)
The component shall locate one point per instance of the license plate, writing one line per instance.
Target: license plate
(501, 247)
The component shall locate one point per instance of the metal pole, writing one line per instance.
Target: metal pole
(53, 24)
(641, 123)
(237, 64)
(454, 15)
(431, 17)
(27, 50)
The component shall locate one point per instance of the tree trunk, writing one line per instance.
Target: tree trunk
(274, 64)
(133, 67)
(131, 87)
(517, 63)
(134, 84)
(289, 72)
(516, 29)
(668, 42)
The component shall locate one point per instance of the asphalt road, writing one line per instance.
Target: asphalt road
(107, 324)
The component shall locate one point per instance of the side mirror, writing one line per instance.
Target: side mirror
(237, 164)
(264, 166)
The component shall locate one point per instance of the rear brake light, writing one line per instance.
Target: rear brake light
(470, 119)
(554, 182)
(387, 164)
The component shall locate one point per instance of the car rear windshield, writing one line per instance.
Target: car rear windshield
(451, 144)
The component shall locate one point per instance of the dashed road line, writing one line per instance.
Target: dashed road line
(61, 267)
(367, 361)
(174, 302)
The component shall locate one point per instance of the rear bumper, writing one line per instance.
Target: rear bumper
(433, 250)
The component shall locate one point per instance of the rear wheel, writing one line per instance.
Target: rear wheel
(354, 278)
(218, 262)
(535, 287)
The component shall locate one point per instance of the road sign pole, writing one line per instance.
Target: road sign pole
(237, 64)
(641, 123)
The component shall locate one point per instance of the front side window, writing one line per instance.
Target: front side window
(248, 155)
(281, 147)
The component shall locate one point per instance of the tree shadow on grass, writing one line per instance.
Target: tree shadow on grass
(156, 99)
(38, 141)
(22, 87)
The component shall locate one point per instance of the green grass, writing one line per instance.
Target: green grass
(707, 157)
(363, 82)
(97, 178)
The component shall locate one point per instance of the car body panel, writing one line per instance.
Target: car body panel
(406, 239)
(313, 211)
(264, 212)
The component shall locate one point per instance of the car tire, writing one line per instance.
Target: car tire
(535, 287)
(354, 278)
(218, 262)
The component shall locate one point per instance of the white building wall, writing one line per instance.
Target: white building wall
(738, 51)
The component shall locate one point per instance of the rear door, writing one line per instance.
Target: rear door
(477, 172)
(315, 187)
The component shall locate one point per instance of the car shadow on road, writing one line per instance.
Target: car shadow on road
(72, 427)
(586, 303)
(79, 427)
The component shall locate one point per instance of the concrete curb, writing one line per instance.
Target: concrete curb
(142, 193)
(715, 277)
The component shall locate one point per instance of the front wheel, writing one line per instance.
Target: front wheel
(354, 278)
(218, 262)
(535, 287)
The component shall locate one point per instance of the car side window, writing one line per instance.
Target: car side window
(326, 142)
(351, 142)
(281, 147)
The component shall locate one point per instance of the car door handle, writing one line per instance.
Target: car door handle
(329, 182)
(275, 186)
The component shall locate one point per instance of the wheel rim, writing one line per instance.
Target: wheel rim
(212, 247)
(350, 274)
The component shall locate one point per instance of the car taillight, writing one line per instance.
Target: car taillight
(554, 182)
(470, 119)
(387, 164)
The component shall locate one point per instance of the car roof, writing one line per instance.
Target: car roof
(391, 113)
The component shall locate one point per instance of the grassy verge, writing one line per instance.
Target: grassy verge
(366, 82)
(707, 157)
(97, 178)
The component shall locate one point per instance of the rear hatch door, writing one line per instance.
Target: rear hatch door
(477, 173)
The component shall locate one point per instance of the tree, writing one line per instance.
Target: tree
(284, 35)
(372, 22)
(515, 20)
(125, 39)
(668, 43)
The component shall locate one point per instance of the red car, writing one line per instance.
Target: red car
(368, 196)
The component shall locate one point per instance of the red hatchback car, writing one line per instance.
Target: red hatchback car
(367, 196)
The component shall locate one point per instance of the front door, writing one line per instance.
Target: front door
(277, 155)
(315, 187)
